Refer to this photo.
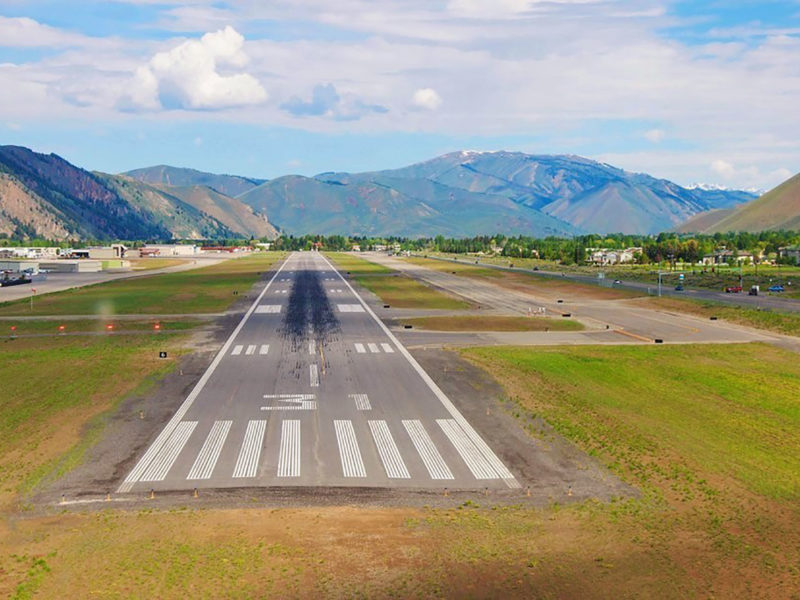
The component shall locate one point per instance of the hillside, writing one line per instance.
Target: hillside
(777, 209)
(469, 193)
(385, 206)
(44, 195)
(229, 185)
(232, 213)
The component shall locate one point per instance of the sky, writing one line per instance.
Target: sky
(696, 92)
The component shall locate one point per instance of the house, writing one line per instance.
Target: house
(355, 248)
(791, 252)
(724, 256)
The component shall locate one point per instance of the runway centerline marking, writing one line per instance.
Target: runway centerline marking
(350, 308)
(247, 463)
(209, 454)
(349, 453)
(313, 374)
(289, 454)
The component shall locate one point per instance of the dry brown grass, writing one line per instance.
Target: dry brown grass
(493, 323)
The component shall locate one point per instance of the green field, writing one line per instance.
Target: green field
(207, 289)
(51, 326)
(493, 323)
(53, 386)
(393, 288)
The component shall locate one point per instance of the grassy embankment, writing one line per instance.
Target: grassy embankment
(392, 287)
(207, 289)
(493, 323)
(711, 444)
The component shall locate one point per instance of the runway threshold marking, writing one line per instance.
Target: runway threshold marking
(475, 461)
(473, 435)
(349, 453)
(360, 348)
(154, 448)
(237, 350)
(209, 454)
(313, 374)
(247, 463)
(373, 348)
(251, 349)
(388, 451)
(264, 349)
(387, 348)
(289, 454)
(162, 463)
(427, 451)
(362, 401)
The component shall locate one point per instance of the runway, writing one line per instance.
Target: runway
(312, 389)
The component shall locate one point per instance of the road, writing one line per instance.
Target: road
(312, 389)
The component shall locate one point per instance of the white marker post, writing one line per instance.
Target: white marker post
(33, 293)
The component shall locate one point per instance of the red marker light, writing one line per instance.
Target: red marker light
(62, 327)
(13, 328)
(157, 326)
(109, 327)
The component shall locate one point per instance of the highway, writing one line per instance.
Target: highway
(312, 389)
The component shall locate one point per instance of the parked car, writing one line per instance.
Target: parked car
(679, 287)
(733, 289)
(617, 281)
(754, 290)
(776, 288)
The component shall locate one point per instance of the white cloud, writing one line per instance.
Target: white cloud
(188, 76)
(723, 168)
(21, 32)
(655, 135)
(427, 98)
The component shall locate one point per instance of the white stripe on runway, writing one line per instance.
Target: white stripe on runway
(209, 454)
(163, 462)
(362, 401)
(352, 464)
(387, 348)
(311, 349)
(387, 449)
(350, 308)
(268, 308)
(289, 455)
(476, 463)
(251, 349)
(264, 349)
(237, 350)
(247, 463)
(427, 451)
(373, 348)
(313, 372)
(360, 348)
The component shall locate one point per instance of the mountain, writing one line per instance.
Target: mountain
(44, 195)
(469, 193)
(231, 212)
(777, 209)
(385, 206)
(229, 185)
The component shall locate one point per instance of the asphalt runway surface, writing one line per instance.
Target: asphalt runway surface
(312, 389)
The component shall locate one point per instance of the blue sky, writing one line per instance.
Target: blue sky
(691, 91)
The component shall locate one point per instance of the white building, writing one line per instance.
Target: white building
(174, 249)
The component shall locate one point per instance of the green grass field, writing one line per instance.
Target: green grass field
(394, 288)
(494, 323)
(51, 326)
(207, 289)
(53, 386)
